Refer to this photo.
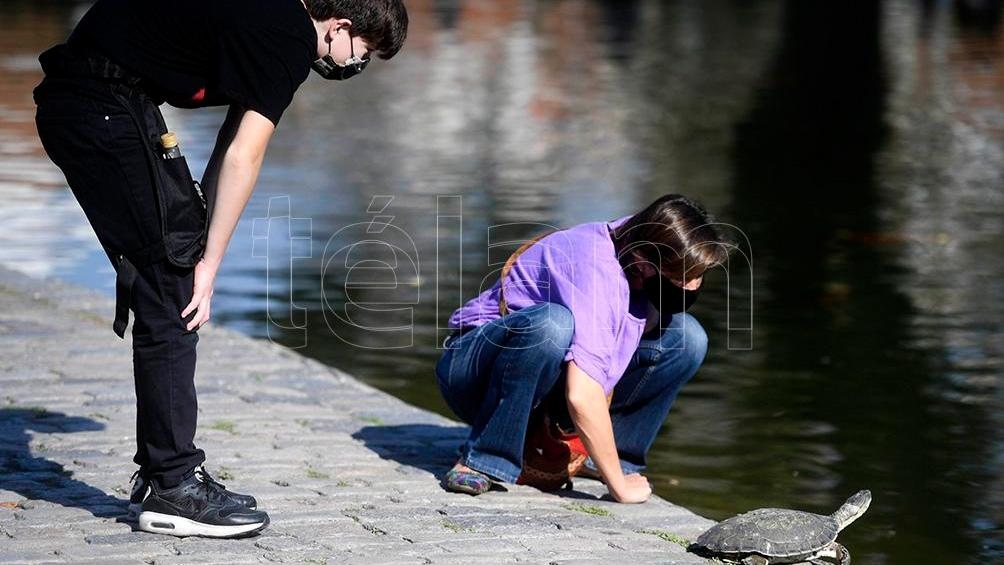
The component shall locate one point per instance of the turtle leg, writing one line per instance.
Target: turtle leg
(842, 554)
(755, 560)
(832, 553)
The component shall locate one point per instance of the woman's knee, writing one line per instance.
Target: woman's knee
(688, 335)
(549, 323)
(695, 338)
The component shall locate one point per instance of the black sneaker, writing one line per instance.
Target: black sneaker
(245, 500)
(198, 507)
(141, 486)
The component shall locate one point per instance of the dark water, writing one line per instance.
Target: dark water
(859, 146)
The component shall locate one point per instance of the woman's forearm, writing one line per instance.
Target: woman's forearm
(587, 404)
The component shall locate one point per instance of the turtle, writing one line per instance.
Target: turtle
(768, 536)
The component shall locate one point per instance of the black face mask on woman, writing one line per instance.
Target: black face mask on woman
(667, 297)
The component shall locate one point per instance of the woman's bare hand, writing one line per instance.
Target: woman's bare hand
(205, 278)
(634, 489)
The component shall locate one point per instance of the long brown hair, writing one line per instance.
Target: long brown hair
(676, 235)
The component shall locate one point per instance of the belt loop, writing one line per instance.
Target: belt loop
(125, 276)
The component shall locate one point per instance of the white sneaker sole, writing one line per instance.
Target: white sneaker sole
(158, 523)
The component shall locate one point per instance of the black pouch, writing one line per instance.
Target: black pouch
(184, 217)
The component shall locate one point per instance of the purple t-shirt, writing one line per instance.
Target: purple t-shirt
(577, 268)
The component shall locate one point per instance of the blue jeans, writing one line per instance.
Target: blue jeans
(493, 376)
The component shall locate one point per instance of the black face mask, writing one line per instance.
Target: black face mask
(329, 69)
(667, 297)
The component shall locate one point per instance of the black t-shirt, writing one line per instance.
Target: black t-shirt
(194, 53)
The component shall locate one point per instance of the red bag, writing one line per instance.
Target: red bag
(551, 456)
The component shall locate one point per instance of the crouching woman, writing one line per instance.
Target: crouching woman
(596, 314)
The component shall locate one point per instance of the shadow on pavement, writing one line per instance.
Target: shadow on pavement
(432, 448)
(428, 447)
(37, 478)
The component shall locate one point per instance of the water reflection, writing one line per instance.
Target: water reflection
(859, 145)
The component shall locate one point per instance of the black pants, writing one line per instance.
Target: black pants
(88, 133)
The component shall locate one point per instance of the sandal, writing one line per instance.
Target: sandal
(467, 482)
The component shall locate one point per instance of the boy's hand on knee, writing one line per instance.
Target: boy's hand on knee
(202, 294)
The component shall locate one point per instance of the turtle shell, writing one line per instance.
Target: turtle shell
(772, 532)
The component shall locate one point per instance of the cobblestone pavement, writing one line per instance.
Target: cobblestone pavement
(347, 473)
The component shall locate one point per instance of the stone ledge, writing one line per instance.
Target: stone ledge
(348, 473)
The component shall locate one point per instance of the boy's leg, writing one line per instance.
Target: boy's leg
(96, 144)
(496, 375)
(164, 367)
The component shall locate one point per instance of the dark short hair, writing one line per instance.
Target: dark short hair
(383, 24)
(676, 235)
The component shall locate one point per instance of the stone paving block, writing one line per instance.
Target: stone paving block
(362, 542)
(29, 557)
(225, 558)
(390, 560)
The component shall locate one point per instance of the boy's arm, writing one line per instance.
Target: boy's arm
(211, 177)
(231, 182)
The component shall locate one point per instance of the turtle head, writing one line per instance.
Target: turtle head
(853, 508)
